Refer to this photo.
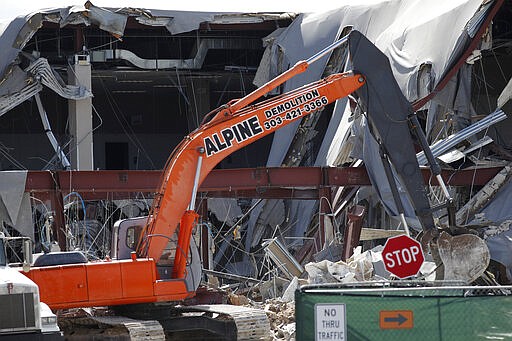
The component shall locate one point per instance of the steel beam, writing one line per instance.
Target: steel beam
(292, 183)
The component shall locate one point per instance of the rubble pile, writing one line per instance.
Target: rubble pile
(282, 318)
(276, 296)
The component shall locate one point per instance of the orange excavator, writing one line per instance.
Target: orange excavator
(158, 268)
(154, 259)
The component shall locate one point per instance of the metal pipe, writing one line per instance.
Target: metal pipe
(406, 228)
(196, 183)
(393, 186)
(49, 133)
(231, 276)
(329, 48)
(443, 187)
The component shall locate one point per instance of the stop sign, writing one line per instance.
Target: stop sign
(402, 256)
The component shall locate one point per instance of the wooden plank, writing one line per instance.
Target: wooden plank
(372, 234)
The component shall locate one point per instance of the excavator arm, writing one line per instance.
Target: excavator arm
(233, 126)
(228, 131)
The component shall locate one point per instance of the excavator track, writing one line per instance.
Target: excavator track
(111, 328)
(198, 322)
(251, 323)
(139, 330)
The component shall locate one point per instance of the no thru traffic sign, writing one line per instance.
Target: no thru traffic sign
(330, 322)
(402, 256)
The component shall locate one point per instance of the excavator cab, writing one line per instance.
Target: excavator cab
(125, 236)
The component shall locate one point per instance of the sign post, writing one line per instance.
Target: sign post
(402, 256)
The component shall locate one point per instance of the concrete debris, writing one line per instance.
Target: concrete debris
(486, 194)
(235, 299)
(358, 268)
(282, 319)
(289, 293)
(273, 288)
(280, 311)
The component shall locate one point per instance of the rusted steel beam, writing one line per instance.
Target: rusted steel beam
(288, 177)
(293, 183)
(352, 232)
(57, 204)
(267, 193)
(94, 181)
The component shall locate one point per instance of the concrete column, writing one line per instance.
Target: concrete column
(80, 117)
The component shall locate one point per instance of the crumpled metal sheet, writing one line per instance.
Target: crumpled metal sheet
(41, 70)
(451, 141)
(23, 84)
(11, 100)
(13, 38)
(15, 207)
(109, 21)
(14, 88)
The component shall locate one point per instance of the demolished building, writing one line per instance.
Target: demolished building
(152, 75)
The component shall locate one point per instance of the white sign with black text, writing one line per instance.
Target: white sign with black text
(330, 322)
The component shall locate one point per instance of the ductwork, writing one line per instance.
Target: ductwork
(194, 63)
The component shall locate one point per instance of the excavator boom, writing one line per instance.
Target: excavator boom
(227, 132)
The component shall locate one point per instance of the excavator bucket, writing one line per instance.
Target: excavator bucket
(465, 257)
(391, 118)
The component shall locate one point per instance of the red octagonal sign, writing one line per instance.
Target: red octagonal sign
(402, 256)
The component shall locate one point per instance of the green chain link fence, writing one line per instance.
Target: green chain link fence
(397, 312)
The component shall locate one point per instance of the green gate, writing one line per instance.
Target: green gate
(394, 312)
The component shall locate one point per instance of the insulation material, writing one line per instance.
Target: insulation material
(272, 215)
(180, 21)
(496, 216)
(15, 207)
(455, 98)
(226, 210)
(500, 208)
(500, 245)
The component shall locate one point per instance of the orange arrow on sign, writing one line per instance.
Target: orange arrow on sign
(396, 319)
